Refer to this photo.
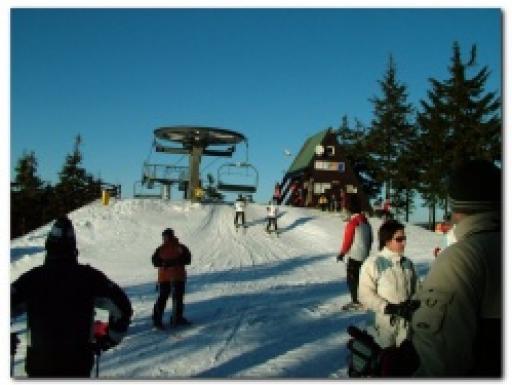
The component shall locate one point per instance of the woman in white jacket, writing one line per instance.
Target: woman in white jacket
(386, 284)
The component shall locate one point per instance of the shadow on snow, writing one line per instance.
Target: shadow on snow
(19, 252)
(299, 309)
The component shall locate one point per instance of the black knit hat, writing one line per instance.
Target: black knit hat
(168, 232)
(61, 241)
(475, 186)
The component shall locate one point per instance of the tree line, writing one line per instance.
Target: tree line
(35, 202)
(406, 151)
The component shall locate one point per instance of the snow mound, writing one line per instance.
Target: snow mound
(262, 306)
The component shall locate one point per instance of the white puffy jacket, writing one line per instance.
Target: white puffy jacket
(239, 206)
(387, 277)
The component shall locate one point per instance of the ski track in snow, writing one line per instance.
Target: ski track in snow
(262, 306)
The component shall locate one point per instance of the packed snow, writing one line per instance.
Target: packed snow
(262, 306)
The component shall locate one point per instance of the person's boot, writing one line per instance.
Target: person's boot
(177, 318)
(179, 321)
(157, 318)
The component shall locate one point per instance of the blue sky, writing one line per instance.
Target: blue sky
(276, 75)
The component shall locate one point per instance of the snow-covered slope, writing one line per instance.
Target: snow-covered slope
(262, 306)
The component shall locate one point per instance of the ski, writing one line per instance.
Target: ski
(352, 307)
(270, 232)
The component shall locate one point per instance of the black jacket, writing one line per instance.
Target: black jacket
(59, 298)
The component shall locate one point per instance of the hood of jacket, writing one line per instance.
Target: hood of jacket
(489, 221)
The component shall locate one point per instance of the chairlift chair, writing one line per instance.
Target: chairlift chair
(140, 190)
(230, 173)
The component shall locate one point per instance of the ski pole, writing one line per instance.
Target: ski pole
(98, 355)
(14, 344)
(100, 331)
(12, 365)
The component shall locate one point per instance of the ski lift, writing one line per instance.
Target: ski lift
(145, 190)
(229, 176)
(162, 173)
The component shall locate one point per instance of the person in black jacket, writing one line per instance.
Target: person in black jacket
(59, 298)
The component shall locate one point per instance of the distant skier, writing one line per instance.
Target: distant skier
(272, 211)
(59, 298)
(239, 211)
(170, 258)
(386, 209)
(356, 246)
(277, 192)
(322, 201)
(448, 229)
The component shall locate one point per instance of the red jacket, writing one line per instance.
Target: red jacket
(358, 238)
(171, 258)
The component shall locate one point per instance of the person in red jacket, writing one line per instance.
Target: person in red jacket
(170, 258)
(356, 245)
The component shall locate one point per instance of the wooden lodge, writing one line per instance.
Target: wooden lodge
(320, 168)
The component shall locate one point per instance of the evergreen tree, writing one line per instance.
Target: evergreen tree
(25, 195)
(473, 115)
(26, 173)
(390, 140)
(457, 121)
(433, 148)
(76, 187)
(354, 143)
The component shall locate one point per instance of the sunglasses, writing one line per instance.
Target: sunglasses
(400, 239)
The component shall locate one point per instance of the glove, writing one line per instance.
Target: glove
(364, 356)
(404, 309)
(340, 257)
(103, 341)
(14, 343)
(156, 260)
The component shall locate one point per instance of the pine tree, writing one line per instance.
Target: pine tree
(26, 193)
(456, 122)
(354, 143)
(390, 139)
(76, 187)
(433, 147)
(473, 115)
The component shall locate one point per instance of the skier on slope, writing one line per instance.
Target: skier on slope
(357, 243)
(239, 211)
(59, 298)
(170, 258)
(272, 211)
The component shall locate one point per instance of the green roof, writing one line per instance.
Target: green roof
(307, 152)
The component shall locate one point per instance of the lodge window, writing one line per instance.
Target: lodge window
(351, 189)
(326, 165)
(329, 151)
(319, 188)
